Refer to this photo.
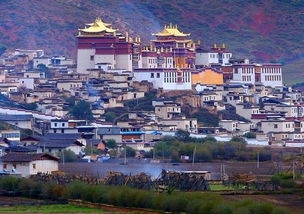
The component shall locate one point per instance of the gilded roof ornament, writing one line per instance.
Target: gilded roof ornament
(171, 30)
(98, 26)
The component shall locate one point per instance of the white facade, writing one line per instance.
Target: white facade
(244, 75)
(27, 83)
(208, 58)
(85, 60)
(167, 80)
(123, 61)
(277, 126)
(69, 85)
(74, 148)
(271, 76)
(246, 112)
(41, 60)
(155, 62)
(31, 168)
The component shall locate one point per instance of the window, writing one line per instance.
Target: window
(275, 126)
(55, 124)
(63, 124)
(152, 75)
(50, 150)
(4, 166)
(62, 130)
(157, 75)
(92, 57)
(34, 166)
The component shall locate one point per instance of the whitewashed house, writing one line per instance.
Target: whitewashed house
(29, 164)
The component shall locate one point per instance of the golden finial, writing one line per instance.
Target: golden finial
(127, 36)
(214, 46)
(223, 45)
(199, 42)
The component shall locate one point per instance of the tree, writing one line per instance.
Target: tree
(250, 135)
(43, 68)
(110, 116)
(90, 149)
(130, 152)
(82, 110)
(238, 139)
(68, 155)
(182, 135)
(111, 144)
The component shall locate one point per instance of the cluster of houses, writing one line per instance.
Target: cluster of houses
(113, 68)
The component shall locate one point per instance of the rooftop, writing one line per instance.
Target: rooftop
(25, 157)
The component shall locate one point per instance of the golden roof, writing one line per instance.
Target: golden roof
(97, 27)
(170, 30)
(99, 21)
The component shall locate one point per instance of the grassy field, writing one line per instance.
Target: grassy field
(221, 187)
(56, 208)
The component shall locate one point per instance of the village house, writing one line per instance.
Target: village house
(29, 164)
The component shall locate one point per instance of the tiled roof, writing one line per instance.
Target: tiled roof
(26, 157)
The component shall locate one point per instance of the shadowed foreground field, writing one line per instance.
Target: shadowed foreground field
(291, 201)
(56, 208)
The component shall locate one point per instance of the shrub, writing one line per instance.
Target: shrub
(9, 183)
(261, 208)
(193, 206)
(250, 135)
(221, 209)
(68, 155)
(238, 139)
(241, 210)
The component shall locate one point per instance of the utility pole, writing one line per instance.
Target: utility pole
(258, 160)
(125, 160)
(62, 156)
(293, 170)
(193, 158)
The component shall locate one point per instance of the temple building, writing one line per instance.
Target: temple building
(168, 61)
(171, 49)
(99, 43)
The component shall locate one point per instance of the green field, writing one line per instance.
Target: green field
(56, 208)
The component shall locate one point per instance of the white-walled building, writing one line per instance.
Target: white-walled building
(271, 74)
(244, 73)
(29, 164)
(27, 83)
(167, 79)
(216, 55)
(98, 43)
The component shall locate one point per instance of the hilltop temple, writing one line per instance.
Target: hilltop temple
(171, 49)
(101, 45)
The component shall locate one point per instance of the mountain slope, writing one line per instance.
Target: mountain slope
(264, 30)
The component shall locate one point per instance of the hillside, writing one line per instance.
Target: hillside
(265, 30)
